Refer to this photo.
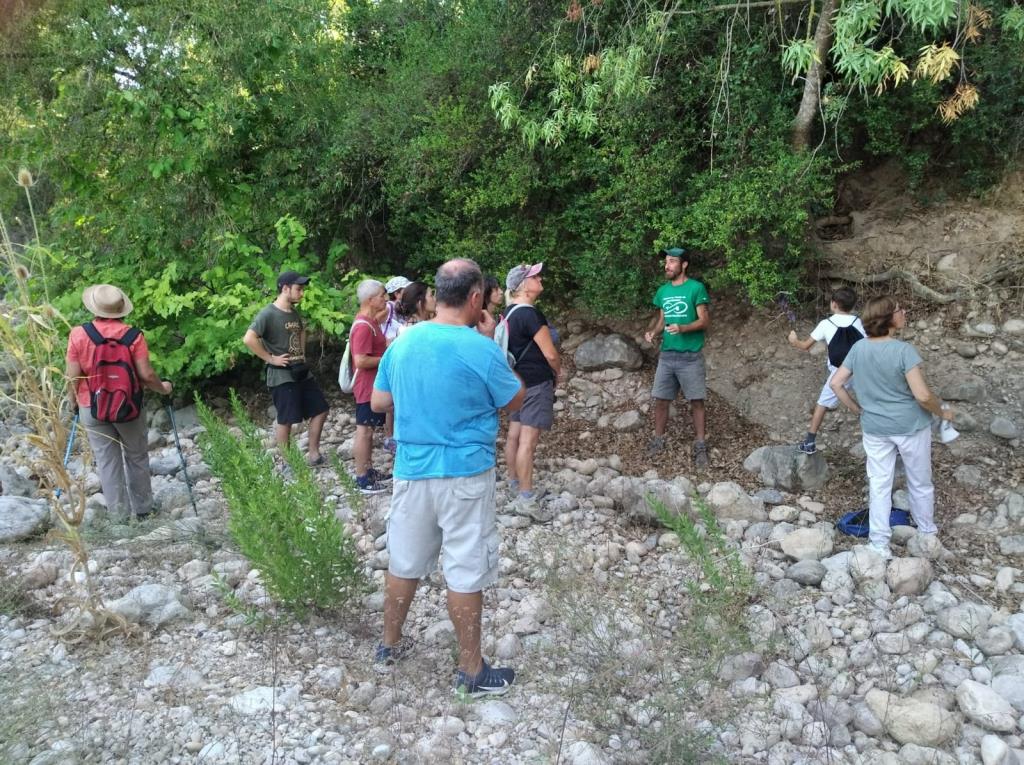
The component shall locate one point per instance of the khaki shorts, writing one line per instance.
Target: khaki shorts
(452, 516)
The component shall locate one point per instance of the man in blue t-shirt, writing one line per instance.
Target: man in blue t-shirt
(446, 379)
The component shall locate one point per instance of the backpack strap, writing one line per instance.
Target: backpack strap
(361, 321)
(505, 318)
(130, 337)
(93, 333)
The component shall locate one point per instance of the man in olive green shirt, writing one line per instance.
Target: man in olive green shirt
(278, 337)
(681, 321)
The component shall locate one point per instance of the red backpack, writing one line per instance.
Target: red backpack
(115, 394)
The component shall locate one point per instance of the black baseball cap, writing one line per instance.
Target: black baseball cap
(291, 277)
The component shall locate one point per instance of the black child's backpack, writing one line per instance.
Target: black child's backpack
(115, 394)
(841, 343)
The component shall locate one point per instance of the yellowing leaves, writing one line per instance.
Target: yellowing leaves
(977, 19)
(964, 98)
(935, 62)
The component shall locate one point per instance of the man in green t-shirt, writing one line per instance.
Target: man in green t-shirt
(681, 322)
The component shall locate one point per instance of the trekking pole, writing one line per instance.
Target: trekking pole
(71, 443)
(181, 456)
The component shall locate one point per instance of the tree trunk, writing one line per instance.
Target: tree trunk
(812, 84)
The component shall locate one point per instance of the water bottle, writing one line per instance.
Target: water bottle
(946, 431)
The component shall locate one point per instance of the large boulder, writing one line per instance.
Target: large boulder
(812, 543)
(151, 604)
(909, 576)
(984, 707)
(608, 352)
(21, 518)
(785, 467)
(17, 480)
(910, 721)
(967, 621)
(635, 496)
(727, 500)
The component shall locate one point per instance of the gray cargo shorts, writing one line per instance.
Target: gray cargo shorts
(538, 409)
(680, 369)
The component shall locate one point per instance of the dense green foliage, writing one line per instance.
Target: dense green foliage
(190, 151)
(304, 554)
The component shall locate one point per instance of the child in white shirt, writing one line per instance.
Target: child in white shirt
(842, 303)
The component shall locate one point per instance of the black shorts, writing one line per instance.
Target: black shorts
(366, 416)
(298, 401)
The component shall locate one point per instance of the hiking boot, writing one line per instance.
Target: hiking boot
(807, 447)
(656, 445)
(386, 656)
(367, 485)
(700, 455)
(489, 681)
(531, 508)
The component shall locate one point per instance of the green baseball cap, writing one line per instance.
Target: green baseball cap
(674, 252)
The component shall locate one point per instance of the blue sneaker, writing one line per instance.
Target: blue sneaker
(807, 447)
(490, 681)
(386, 656)
(366, 485)
(378, 476)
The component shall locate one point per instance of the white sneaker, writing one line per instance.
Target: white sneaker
(882, 550)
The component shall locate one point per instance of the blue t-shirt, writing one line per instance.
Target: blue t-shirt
(880, 381)
(448, 383)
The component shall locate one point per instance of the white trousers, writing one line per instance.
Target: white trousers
(916, 451)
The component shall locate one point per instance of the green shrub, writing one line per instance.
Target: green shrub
(303, 552)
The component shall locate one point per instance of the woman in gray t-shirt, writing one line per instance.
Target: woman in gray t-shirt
(894, 404)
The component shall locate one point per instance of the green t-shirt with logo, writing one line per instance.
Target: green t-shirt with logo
(679, 302)
(281, 333)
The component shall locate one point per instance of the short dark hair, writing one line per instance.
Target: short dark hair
(456, 280)
(845, 298)
(878, 315)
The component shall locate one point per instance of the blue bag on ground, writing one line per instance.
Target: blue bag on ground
(855, 522)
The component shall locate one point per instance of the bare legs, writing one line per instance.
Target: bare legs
(362, 448)
(520, 448)
(816, 419)
(697, 409)
(316, 427)
(464, 609)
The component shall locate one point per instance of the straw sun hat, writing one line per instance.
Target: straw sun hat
(106, 301)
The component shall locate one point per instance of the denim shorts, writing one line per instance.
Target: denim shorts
(680, 369)
(453, 516)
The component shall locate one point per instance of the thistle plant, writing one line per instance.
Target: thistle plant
(32, 335)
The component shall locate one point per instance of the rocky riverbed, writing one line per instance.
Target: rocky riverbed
(627, 649)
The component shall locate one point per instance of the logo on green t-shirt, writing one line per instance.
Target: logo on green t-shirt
(679, 302)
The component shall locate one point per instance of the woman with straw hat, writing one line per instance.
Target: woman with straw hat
(121, 448)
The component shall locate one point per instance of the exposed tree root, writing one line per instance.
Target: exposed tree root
(895, 274)
(1013, 267)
